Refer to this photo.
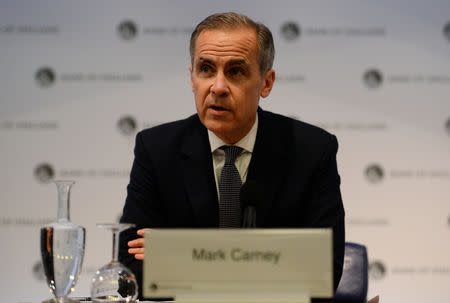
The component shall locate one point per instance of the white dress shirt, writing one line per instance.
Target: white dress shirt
(242, 161)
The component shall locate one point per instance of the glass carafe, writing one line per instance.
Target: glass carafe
(62, 248)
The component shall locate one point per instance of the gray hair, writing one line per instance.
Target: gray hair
(231, 20)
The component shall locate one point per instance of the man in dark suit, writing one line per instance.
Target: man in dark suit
(176, 176)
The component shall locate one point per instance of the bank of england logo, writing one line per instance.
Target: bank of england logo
(127, 30)
(377, 270)
(38, 271)
(447, 31)
(290, 31)
(45, 77)
(447, 126)
(373, 78)
(127, 125)
(44, 173)
(374, 173)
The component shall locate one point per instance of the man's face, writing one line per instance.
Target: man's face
(227, 82)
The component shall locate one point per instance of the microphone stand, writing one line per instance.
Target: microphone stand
(249, 220)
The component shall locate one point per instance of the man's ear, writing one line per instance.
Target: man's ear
(268, 80)
(192, 83)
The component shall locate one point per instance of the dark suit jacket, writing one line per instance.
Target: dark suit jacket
(172, 182)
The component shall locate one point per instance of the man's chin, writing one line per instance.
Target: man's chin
(222, 130)
(217, 128)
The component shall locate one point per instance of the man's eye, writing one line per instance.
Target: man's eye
(236, 71)
(205, 69)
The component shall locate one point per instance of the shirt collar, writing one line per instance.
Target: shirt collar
(247, 143)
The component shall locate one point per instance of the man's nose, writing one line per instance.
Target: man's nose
(220, 86)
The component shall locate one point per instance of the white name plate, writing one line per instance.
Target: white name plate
(240, 265)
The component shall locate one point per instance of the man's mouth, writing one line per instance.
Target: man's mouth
(218, 108)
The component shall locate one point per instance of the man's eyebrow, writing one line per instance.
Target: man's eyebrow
(237, 62)
(205, 60)
(231, 62)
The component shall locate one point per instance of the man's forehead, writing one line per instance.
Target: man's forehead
(238, 42)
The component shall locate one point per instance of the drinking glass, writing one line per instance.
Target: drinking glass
(114, 282)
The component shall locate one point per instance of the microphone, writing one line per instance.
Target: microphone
(249, 198)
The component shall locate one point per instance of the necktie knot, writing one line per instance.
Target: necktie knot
(231, 153)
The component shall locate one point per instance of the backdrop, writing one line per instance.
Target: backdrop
(79, 78)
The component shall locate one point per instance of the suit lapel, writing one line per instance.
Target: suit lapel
(269, 162)
(197, 170)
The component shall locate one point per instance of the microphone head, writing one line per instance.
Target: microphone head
(250, 194)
